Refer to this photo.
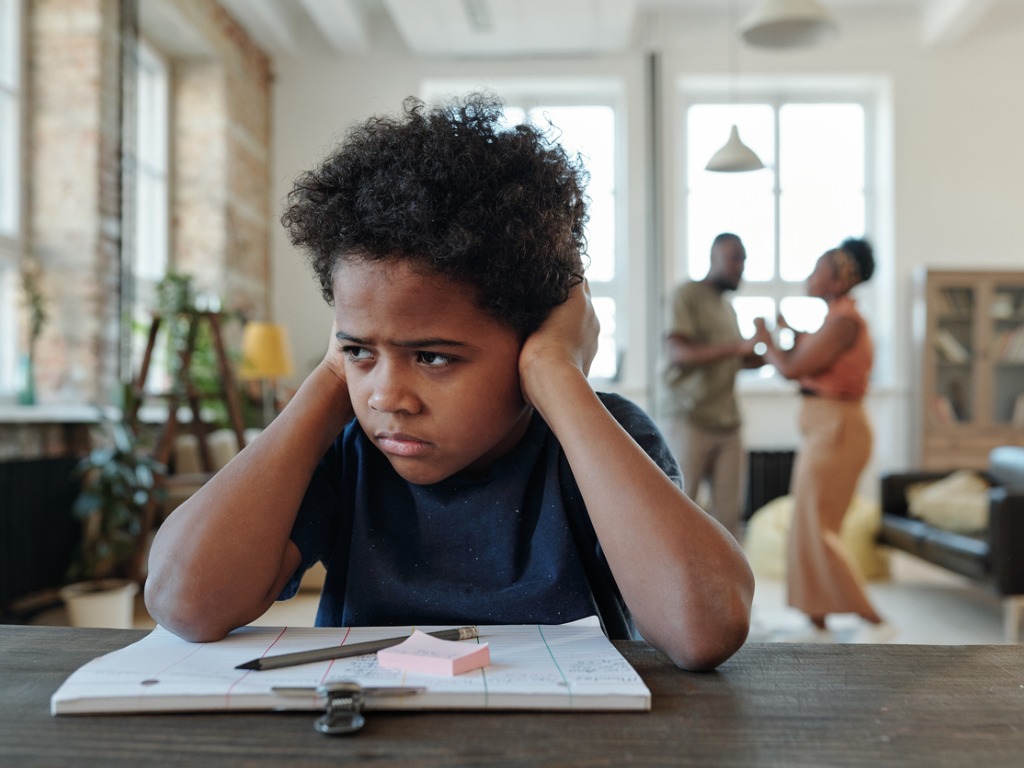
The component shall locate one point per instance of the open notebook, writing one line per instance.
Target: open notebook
(565, 667)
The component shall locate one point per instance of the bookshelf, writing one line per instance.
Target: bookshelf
(972, 376)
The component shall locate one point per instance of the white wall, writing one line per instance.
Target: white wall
(956, 192)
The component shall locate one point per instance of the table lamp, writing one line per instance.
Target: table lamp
(266, 356)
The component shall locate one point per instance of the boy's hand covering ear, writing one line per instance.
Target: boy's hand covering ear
(334, 360)
(567, 338)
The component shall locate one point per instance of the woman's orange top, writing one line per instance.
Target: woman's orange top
(847, 377)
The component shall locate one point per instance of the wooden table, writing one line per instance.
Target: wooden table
(771, 704)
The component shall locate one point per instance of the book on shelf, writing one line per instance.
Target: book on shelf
(950, 347)
(942, 410)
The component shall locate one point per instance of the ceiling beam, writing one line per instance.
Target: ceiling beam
(267, 22)
(341, 24)
(944, 22)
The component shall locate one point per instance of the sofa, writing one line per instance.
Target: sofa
(993, 556)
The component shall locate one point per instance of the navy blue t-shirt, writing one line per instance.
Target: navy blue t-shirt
(512, 545)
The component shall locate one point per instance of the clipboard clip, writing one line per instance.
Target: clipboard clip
(343, 703)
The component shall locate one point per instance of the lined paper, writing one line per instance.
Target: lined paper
(569, 666)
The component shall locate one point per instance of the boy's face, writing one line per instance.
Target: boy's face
(434, 380)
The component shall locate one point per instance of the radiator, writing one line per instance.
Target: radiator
(38, 533)
(768, 474)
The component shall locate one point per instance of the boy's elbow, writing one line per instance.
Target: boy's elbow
(184, 617)
(705, 651)
(699, 643)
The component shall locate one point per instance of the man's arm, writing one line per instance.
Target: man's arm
(685, 351)
(684, 578)
(221, 558)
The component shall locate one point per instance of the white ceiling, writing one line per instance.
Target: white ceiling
(477, 28)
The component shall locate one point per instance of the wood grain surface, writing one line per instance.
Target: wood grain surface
(771, 704)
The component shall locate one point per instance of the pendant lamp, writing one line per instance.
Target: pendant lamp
(787, 24)
(734, 156)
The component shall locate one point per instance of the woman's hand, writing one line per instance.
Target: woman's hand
(567, 338)
(761, 333)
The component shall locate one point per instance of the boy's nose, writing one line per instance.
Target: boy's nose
(390, 394)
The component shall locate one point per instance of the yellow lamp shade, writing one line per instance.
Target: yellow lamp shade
(265, 352)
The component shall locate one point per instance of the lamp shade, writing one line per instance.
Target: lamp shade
(787, 24)
(734, 156)
(265, 352)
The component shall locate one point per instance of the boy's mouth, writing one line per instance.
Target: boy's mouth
(401, 444)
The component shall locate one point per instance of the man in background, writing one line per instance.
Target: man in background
(705, 352)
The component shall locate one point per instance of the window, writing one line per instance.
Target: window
(151, 188)
(815, 191)
(10, 188)
(586, 121)
(150, 242)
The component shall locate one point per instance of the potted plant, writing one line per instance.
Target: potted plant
(119, 490)
(35, 300)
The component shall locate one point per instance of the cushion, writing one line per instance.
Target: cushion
(768, 529)
(957, 502)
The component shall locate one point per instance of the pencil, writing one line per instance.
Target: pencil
(344, 651)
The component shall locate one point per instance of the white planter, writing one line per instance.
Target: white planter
(107, 603)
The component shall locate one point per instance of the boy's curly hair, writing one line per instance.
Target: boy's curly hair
(456, 193)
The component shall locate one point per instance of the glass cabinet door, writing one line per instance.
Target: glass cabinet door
(954, 340)
(1006, 316)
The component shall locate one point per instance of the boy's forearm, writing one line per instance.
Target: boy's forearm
(682, 575)
(217, 560)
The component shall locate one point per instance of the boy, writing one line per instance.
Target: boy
(448, 460)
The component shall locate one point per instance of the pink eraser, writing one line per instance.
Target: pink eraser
(429, 655)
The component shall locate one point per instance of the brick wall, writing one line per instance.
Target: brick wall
(220, 207)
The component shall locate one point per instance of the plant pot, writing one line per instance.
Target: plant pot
(105, 603)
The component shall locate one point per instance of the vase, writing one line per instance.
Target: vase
(105, 603)
(26, 380)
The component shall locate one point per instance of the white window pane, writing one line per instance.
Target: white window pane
(744, 206)
(741, 203)
(9, 177)
(812, 222)
(10, 47)
(750, 307)
(803, 313)
(589, 131)
(514, 116)
(606, 361)
(601, 238)
(821, 146)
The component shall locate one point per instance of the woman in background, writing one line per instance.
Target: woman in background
(833, 366)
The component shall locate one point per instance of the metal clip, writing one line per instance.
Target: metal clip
(343, 709)
(343, 702)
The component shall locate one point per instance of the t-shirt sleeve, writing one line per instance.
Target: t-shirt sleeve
(313, 531)
(683, 321)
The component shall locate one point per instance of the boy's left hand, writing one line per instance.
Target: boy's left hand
(567, 338)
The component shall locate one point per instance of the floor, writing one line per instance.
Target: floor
(922, 603)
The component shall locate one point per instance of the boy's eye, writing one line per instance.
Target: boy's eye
(357, 354)
(434, 359)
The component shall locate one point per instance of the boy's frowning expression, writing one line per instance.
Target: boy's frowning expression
(434, 379)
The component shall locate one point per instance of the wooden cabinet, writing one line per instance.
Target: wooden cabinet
(973, 366)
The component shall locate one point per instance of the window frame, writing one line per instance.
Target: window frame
(528, 93)
(12, 240)
(875, 298)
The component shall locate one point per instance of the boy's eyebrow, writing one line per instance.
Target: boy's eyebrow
(408, 343)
